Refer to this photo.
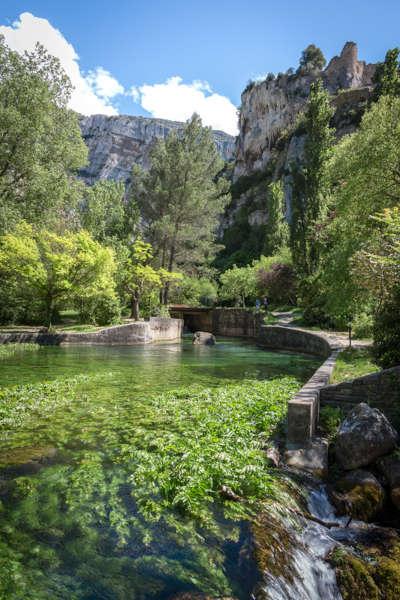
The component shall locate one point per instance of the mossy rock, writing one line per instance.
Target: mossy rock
(387, 577)
(358, 494)
(354, 577)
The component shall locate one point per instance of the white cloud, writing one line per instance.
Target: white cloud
(177, 101)
(92, 93)
(104, 84)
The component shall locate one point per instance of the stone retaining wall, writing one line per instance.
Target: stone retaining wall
(236, 322)
(296, 340)
(142, 332)
(380, 390)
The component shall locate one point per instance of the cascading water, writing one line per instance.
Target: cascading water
(307, 573)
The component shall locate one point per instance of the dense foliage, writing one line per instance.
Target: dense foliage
(312, 58)
(40, 140)
(41, 271)
(180, 199)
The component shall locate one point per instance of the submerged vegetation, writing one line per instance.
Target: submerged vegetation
(8, 350)
(139, 494)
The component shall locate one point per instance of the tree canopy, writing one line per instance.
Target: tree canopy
(41, 146)
(181, 197)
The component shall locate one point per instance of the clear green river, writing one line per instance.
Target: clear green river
(115, 464)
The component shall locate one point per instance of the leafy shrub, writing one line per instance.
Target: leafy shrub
(104, 309)
(386, 333)
(362, 325)
(279, 283)
(195, 292)
(330, 418)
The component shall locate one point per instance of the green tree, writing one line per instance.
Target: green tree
(181, 197)
(41, 272)
(238, 284)
(310, 182)
(276, 229)
(364, 171)
(387, 75)
(40, 140)
(140, 278)
(107, 214)
(312, 58)
(195, 291)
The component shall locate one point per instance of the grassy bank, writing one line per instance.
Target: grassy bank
(352, 363)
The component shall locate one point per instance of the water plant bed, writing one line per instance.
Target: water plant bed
(133, 472)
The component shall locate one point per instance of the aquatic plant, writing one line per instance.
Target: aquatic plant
(133, 499)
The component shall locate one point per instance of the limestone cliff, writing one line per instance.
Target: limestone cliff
(116, 143)
(270, 138)
(269, 108)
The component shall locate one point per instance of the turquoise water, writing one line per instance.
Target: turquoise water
(83, 456)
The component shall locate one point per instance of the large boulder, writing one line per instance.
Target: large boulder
(359, 495)
(204, 338)
(364, 436)
(390, 467)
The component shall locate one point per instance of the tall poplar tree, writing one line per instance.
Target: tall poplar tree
(41, 146)
(310, 181)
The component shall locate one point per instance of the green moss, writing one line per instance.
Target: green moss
(354, 577)
(387, 577)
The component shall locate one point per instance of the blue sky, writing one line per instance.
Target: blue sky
(127, 52)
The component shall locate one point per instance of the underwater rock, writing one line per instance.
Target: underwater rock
(273, 456)
(312, 458)
(204, 337)
(390, 467)
(26, 460)
(364, 436)
(359, 495)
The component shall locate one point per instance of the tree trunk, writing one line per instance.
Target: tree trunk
(135, 307)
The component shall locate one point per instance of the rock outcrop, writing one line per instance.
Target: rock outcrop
(269, 108)
(204, 338)
(271, 137)
(364, 436)
(390, 468)
(359, 495)
(117, 143)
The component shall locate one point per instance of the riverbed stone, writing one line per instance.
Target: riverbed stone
(26, 460)
(312, 458)
(204, 338)
(358, 494)
(389, 466)
(364, 436)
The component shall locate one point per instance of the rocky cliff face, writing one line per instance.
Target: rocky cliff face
(269, 108)
(270, 139)
(116, 143)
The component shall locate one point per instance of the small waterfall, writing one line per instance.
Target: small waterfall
(308, 574)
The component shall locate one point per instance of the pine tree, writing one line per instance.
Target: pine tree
(310, 181)
(180, 199)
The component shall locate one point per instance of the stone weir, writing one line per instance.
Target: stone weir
(139, 332)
